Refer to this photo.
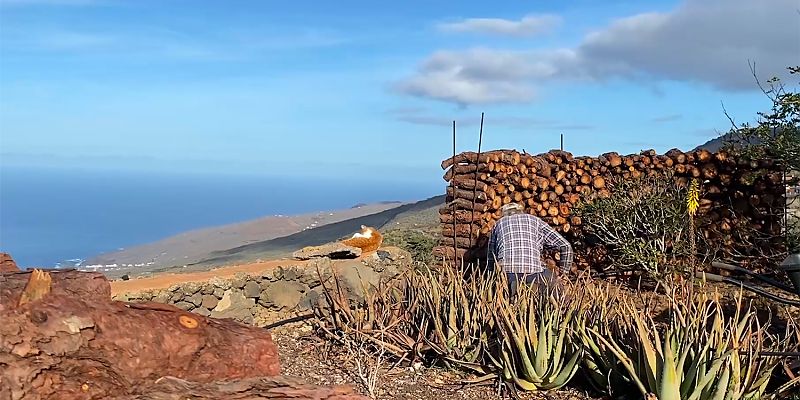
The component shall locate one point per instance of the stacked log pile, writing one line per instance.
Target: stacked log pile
(550, 185)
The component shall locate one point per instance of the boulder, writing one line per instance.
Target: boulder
(234, 305)
(196, 299)
(282, 294)
(72, 341)
(162, 296)
(176, 296)
(252, 289)
(219, 283)
(209, 301)
(316, 272)
(332, 251)
(190, 288)
(311, 299)
(239, 280)
(7, 263)
(355, 277)
(184, 305)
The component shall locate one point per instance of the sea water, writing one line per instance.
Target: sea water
(58, 217)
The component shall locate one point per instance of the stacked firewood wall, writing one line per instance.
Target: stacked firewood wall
(550, 185)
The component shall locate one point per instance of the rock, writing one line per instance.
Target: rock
(252, 289)
(190, 288)
(196, 299)
(220, 283)
(290, 274)
(267, 275)
(125, 277)
(219, 292)
(316, 271)
(239, 280)
(176, 297)
(234, 305)
(356, 277)
(332, 250)
(202, 311)
(162, 296)
(207, 289)
(209, 301)
(311, 299)
(282, 294)
(184, 305)
(7, 263)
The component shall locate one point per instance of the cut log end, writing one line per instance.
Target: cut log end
(38, 286)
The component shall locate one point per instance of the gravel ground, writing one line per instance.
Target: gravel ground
(304, 355)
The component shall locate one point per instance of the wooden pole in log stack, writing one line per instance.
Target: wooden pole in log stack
(475, 189)
(455, 245)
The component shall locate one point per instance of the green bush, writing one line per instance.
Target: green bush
(418, 243)
(643, 222)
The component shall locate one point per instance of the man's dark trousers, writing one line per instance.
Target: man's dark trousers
(545, 277)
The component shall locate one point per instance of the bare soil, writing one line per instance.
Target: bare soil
(303, 354)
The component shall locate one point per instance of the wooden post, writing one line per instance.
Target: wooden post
(452, 184)
(475, 189)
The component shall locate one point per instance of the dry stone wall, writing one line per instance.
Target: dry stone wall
(254, 298)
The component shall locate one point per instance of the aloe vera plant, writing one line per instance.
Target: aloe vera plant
(536, 349)
(600, 312)
(455, 312)
(702, 354)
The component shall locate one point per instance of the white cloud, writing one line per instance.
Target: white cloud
(421, 116)
(530, 25)
(701, 41)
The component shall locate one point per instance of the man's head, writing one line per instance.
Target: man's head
(511, 209)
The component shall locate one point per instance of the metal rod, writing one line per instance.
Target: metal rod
(774, 353)
(718, 278)
(290, 320)
(453, 185)
(562, 142)
(767, 280)
(475, 188)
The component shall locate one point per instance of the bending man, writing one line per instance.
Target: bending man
(516, 244)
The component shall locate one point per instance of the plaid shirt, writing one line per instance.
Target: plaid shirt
(516, 244)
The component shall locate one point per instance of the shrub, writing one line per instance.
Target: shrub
(643, 222)
(418, 243)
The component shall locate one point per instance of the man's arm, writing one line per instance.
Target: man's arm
(553, 240)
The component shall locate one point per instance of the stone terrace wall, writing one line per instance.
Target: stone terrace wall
(254, 299)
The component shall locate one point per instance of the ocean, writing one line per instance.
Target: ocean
(52, 218)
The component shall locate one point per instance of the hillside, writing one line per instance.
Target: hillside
(416, 215)
(193, 246)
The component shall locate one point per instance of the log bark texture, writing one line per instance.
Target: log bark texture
(740, 209)
(72, 342)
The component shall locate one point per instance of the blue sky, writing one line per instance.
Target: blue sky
(338, 88)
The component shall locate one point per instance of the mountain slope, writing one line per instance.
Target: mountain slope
(284, 246)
